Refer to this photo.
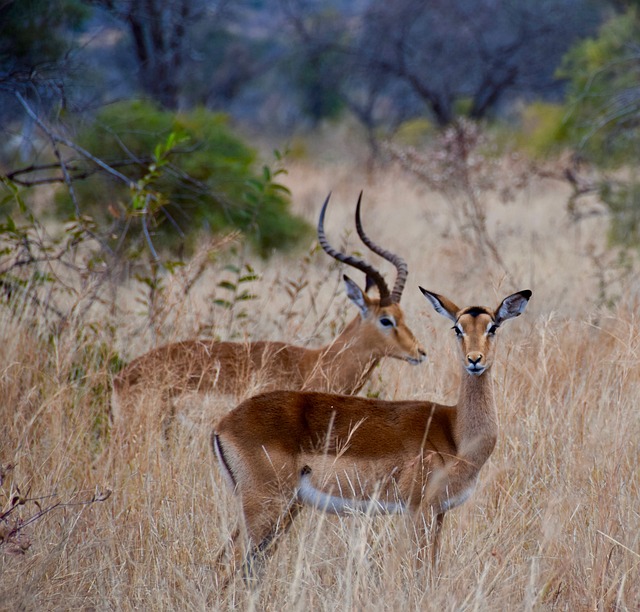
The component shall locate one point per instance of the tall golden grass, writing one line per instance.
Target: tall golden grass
(554, 523)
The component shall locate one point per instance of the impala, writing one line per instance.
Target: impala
(285, 449)
(203, 366)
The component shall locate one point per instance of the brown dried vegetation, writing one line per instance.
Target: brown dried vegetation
(554, 523)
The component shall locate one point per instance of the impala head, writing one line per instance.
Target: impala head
(389, 335)
(476, 326)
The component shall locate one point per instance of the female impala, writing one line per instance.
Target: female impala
(338, 453)
(342, 366)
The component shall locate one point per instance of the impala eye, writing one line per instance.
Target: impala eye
(458, 331)
(492, 329)
(387, 322)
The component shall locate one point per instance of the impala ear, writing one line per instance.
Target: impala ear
(512, 306)
(357, 296)
(441, 304)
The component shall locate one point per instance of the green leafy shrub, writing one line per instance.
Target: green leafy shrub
(603, 99)
(601, 116)
(188, 173)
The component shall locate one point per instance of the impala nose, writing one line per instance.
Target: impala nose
(474, 358)
(419, 359)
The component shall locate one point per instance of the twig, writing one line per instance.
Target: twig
(145, 229)
(72, 145)
(77, 174)
(13, 528)
(57, 139)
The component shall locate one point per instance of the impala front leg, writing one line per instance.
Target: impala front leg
(452, 487)
(436, 532)
(428, 527)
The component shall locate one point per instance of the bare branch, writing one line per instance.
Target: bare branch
(75, 172)
(56, 138)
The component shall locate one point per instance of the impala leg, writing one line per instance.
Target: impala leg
(269, 506)
(168, 417)
(227, 572)
(436, 541)
(167, 424)
(265, 529)
(261, 534)
(421, 530)
(428, 534)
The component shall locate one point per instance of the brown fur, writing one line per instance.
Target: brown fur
(204, 366)
(343, 366)
(422, 455)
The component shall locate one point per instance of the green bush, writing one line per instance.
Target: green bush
(603, 100)
(602, 116)
(599, 117)
(187, 173)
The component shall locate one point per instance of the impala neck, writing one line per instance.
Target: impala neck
(349, 358)
(476, 428)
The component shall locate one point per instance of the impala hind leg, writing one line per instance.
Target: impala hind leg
(250, 546)
(227, 568)
(265, 526)
(268, 512)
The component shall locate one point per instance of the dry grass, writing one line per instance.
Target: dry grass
(554, 524)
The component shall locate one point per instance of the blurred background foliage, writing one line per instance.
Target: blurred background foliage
(602, 100)
(189, 174)
(147, 117)
(34, 35)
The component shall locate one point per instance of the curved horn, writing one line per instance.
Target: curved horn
(350, 260)
(396, 260)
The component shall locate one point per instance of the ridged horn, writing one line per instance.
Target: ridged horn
(350, 260)
(396, 260)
